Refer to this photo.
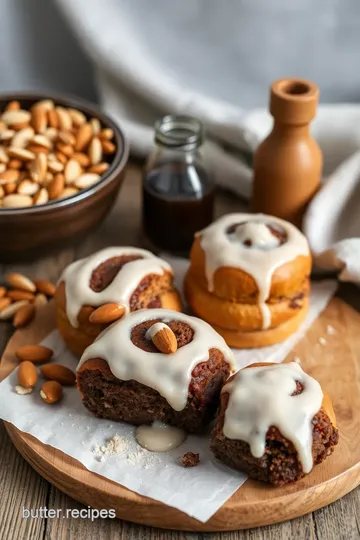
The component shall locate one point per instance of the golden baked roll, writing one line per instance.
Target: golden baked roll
(130, 277)
(248, 276)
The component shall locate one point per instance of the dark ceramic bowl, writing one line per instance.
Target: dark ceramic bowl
(31, 232)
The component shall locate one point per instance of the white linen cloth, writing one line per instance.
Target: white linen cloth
(168, 57)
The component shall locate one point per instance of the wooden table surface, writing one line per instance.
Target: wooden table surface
(21, 486)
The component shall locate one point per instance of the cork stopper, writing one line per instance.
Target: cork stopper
(293, 101)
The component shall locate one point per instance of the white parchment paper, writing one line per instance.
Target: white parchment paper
(199, 491)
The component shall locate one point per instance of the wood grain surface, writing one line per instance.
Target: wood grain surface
(20, 485)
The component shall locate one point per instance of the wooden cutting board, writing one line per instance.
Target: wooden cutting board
(335, 363)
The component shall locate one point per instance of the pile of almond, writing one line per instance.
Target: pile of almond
(56, 375)
(21, 297)
(50, 152)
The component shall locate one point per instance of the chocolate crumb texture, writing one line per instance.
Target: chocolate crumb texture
(190, 460)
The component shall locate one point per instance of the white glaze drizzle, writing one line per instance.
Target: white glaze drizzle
(169, 374)
(259, 260)
(159, 437)
(78, 274)
(260, 397)
(154, 329)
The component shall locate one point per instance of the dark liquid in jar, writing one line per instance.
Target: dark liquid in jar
(178, 200)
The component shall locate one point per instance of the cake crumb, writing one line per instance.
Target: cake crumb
(190, 459)
(322, 341)
(114, 445)
(330, 330)
(22, 391)
(297, 359)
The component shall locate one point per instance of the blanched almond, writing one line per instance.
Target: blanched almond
(59, 373)
(37, 354)
(51, 133)
(96, 126)
(16, 117)
(107, 313)
(51, 391)
(108, 147)
(41, 197)
(15, 200)
(66, 137)
(95, 151)
(44, 286)
(39, 167)
(24, 316)
(99, 168)
(4, 303)
(18, 294)
(56, 186)
(39, 119)
(68, 192)
(83, 137)
(64, 118)
(72, 171)
(46, 104)
(27, 375)
(55, 166)
(6, 135)
(19, 281)
(20, 153)
(86, 180)
(10, 175)
(8, 312)
(82, 158)
(22, 137)
(40, 300)
(26, 187)
(78, 118)
(42, 140)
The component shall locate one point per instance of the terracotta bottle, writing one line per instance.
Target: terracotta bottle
(288, 163)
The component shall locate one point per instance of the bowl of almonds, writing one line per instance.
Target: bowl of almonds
(62, 163)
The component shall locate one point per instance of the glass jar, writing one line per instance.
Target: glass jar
(178, 194)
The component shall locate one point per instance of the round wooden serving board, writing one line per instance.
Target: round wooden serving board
(335, 364)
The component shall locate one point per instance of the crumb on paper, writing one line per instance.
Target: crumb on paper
(330, 330)
(22, 391)
(297, 359)
(190, 459)
(322, 341)
(114, 445)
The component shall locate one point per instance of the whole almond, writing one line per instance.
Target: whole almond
(78, 118)
(20, 153)
(4, 303)
(19, 281)
(37, 148)
(39, 119)
(15, 200)
(82, 158)
(18, 294)
(65, 122)
(40, 300)
(51, 391)
(22, 137)
(68, 192)
(83, 137)
(99, 168)
(14, 164)
(37, 354)
(42, 140)
(44, 286)
(16, 117)
(66, 149)
(46, 104)
(87, 180)
(61, 157)
(56, 186)
(6, 135)
(59, 373)
(107, 314)
(39, 167)
(3, 291)
(53, 118)
(66, 137)
(106, 133)
(8, 176)
(107, 146)
(26, 187)
(8, 312)
(41, 197)
(51, 133)
(96, 126)
(72, 171)
(95, 151)
(165, 340)
(24, 316)
(55, 166)
(27, 375)
(13, 106)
